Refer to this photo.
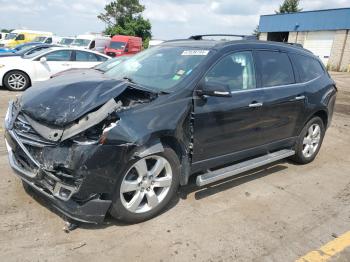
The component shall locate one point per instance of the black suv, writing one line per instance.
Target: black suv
(122, 141)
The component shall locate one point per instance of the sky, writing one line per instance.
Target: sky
(169, 18)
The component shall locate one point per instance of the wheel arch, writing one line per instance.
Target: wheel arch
(323, 114)
(157, 145)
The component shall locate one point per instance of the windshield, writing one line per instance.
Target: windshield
(22, 47)
(117, 45)
(40, 39)
(81, 42)
(66, 41)
(110, 63)
(159, 68)
(11, 36)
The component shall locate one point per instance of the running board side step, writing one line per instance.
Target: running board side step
(213, 176)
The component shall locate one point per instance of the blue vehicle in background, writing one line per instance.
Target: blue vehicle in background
(18, 48)
(26, 49)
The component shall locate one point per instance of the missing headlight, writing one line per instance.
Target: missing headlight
(96, 134)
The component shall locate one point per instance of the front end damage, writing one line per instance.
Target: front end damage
(74, 167)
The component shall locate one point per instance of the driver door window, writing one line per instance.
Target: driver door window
(236, 71)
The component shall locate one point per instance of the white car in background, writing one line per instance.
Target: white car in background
(66, 41)
(19, 73)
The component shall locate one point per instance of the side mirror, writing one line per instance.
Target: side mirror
(43, 59)
(214, 89)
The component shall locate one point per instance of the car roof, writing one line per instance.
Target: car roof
(217, 44)
(54, 48)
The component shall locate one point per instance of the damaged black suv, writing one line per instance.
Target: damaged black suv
(122, 141)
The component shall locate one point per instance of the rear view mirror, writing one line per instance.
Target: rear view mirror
(214, 89)
(43, 59)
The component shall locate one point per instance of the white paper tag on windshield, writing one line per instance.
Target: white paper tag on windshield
(195, 52)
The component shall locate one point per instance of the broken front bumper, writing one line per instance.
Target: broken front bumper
(89, 199)
(93, 211)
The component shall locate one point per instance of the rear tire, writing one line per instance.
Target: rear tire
(16, 81)
(309, 141)
(146, 187)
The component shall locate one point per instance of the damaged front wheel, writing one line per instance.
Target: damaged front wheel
(147, 187)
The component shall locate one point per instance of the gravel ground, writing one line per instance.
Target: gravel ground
(278, 213)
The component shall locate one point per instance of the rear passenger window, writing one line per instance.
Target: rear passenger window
(61, 55)
(235, 70)
(276, 68)
(308, 67)
(82, 56)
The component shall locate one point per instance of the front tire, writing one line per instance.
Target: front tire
(16, 81)
(309, 141)
(146, 188)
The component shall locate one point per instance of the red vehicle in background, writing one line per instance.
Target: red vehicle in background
(124, 45)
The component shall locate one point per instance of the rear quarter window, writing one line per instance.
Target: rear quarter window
(308, 68)
(275, 68)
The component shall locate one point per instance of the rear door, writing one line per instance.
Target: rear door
(56, 61)
(83, 59)
(227, 125)
(284, 98)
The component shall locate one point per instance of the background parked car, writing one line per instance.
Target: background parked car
(17, 48)
(104, 67)
(93, 42)
(66, 41)
(3, 35)
(20, 72)
(26, 49)
(48, 39)
(17, 37)
(123, 45)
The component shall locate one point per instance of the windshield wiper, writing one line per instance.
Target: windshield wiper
(129, 79)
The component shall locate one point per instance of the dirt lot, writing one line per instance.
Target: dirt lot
(278, 213)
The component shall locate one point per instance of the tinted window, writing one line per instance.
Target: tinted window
(101, 58)
(93, 44)
(308, 67)
(48, 40)
(276, 68)
(82, 56)
(236, 71)
(62, 55)
(20, 37)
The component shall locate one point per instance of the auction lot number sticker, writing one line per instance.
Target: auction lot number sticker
(195, 52)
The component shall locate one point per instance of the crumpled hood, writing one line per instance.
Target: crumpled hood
(64, 99)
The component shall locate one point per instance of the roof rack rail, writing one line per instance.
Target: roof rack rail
(295, 44)
(245, 37)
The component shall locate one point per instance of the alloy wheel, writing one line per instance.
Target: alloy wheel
(311, 140)
(146, 184)
(17, 81)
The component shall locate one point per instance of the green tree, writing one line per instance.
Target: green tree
(256, 32)
(6, 30)
(289, 6)
(124, 17)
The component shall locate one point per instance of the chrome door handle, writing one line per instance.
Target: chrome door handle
(299, 97)
(65, 64)
(256, 105)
